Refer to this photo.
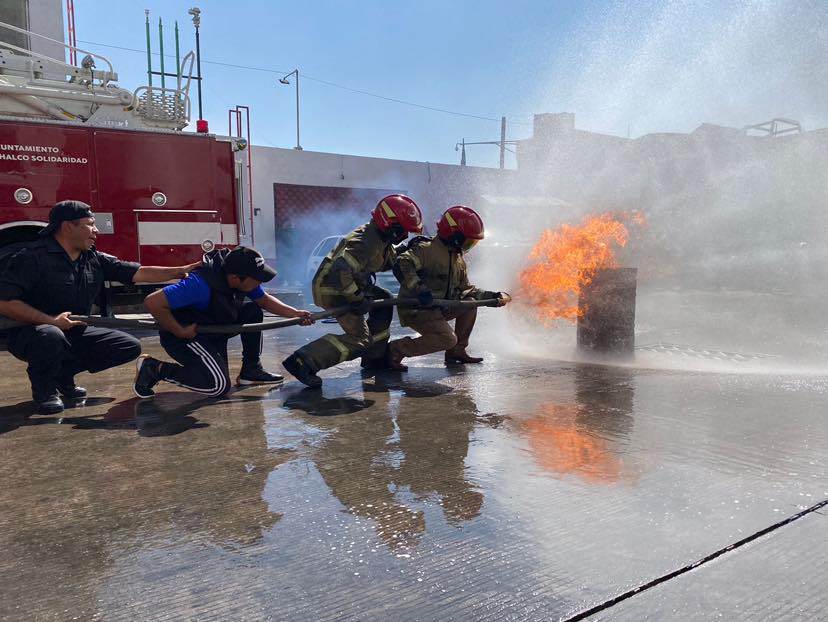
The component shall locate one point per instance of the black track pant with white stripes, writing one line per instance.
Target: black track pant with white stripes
(203, 361)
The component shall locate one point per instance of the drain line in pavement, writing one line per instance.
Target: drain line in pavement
(671, 575)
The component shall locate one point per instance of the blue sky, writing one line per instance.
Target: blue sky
(621, 67)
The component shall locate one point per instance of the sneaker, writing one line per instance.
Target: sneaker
(299, 368)
(147, 375)
(256, 374)
(51, 405)
(73, 392)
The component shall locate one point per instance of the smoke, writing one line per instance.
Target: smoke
(298, 236)
(734, 252)
(306, 215)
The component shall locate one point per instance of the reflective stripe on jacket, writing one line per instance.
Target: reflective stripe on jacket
(345, 274)
(429, 264)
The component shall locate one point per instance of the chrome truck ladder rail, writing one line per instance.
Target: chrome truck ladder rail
(85, 73)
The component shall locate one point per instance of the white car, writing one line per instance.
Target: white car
(319, 252)
(386, 280)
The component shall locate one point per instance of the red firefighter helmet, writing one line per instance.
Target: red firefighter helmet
(399, 214)
(461, 227)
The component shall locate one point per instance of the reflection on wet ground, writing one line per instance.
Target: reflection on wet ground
(383, 465)
(585, 437)
(311, 402)
(518, 489)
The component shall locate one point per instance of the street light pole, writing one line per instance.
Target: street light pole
(298, 144)
(284, 80)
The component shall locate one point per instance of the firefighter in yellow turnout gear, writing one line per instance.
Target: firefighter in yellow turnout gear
(435, 268)
(345, 277)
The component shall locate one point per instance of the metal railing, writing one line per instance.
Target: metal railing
(103, 76)
(167, 105)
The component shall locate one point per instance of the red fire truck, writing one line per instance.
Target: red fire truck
(160, 195)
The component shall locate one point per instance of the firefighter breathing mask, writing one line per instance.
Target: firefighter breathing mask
(396, 233)
(459, 242)
(467, 245)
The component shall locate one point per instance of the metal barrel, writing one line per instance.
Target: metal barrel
(607, 326)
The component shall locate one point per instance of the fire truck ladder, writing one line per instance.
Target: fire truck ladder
(32, 79)
(23, 62)
(47, 87)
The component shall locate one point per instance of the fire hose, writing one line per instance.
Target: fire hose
(234, 329)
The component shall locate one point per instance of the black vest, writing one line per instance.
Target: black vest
(225, 302)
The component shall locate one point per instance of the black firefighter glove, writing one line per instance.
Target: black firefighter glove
(425, 298)
(501, 297)
(361, 306)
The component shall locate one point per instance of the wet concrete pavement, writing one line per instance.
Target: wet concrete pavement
(520, 489)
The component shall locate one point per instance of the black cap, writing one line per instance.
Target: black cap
(245, 262)
(63, 211)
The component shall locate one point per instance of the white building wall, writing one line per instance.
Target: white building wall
(433, 186)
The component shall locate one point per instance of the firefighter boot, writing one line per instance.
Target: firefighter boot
(300, 369)
(461, 356)
(374, 364)
(463, 326)
(394, 358)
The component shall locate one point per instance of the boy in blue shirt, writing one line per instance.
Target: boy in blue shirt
(214, 294)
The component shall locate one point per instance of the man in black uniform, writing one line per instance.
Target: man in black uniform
(61, 275)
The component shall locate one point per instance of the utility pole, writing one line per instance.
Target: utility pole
(502, 142)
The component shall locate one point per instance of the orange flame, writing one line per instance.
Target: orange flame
(566, 260)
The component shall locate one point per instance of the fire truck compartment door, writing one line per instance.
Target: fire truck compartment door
(168, 237)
